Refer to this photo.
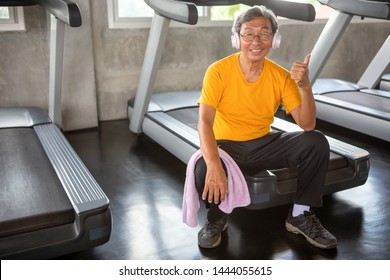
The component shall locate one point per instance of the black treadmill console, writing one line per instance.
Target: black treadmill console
(364, 8)
(288, 9)
(13, 3)
(64, 10)
(184, 12)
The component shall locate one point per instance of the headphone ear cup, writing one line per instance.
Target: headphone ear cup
(276, 40)
(235, 40)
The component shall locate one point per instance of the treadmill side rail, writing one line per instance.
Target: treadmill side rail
(82, 189)
(342, 148)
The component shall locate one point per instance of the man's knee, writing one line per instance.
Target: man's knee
(316, 139)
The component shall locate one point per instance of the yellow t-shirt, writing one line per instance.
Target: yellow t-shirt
(245, 110)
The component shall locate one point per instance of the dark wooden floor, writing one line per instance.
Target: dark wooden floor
(145, 185)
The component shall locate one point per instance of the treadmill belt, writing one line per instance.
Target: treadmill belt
(363, 99)
(31, 195)
(189, 116)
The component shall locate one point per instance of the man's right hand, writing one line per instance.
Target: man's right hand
(215, 188)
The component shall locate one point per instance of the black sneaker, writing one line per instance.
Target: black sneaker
(210, 234)
(311, 228)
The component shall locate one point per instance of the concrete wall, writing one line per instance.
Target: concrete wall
(102, 65)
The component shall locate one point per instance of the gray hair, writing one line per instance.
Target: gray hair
(251, 13)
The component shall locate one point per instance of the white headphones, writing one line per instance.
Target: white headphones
(275, 41)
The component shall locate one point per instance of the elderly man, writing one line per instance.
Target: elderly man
(240, 96)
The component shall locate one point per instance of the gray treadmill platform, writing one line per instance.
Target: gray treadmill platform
(365, 110)
(31, 192)
(364, 102)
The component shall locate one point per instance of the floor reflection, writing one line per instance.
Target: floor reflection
(145, 185)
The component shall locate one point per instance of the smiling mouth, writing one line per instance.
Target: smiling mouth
(256, 51)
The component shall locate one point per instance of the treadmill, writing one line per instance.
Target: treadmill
(363, 106)
(50, 203)
(170, 118)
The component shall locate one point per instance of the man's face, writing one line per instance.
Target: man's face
(256, 38)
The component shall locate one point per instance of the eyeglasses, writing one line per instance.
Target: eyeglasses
(251, 37)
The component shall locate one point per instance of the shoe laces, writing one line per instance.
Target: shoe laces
(315, 226)
(216, 226)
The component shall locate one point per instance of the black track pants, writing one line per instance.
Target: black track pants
(308, 152)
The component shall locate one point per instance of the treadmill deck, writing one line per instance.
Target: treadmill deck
(30, 190)
(346, 104)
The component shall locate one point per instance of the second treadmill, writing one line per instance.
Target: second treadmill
(50, 203)
(363, 106)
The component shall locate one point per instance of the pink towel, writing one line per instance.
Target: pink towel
(237, 196)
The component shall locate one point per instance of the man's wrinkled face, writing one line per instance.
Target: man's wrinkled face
(256, 38)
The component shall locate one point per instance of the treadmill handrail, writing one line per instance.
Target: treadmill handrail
(179, 11)
(364, 8)
(14, 3)
(287, 9)
(64, 10)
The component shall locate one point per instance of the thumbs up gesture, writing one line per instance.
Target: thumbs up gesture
(300, 73)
